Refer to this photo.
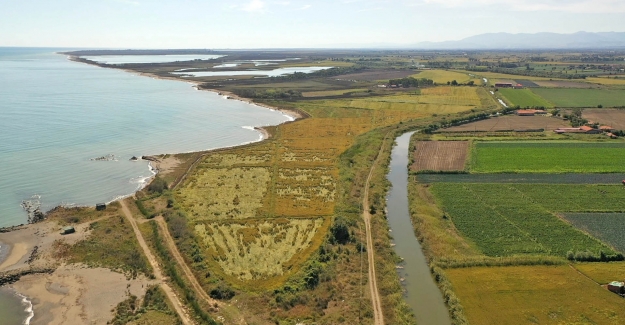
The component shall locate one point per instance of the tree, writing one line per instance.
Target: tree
(454, 83)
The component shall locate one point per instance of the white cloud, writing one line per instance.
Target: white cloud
(305, 7)
(254, 6)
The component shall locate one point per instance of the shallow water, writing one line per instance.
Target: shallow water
(122, 59)
(422, 294)
(268, 73)
(56, 115)
(12, 309)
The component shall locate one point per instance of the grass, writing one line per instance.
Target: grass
(258, 250)
(547, 157)
(524, 98)
(110, 244)
(443, 76)
(324, 93)
(582, 97)
(501, 221)
(154, 309)
(602, 273)
(605, 226)
(533, 294)
(607, 81)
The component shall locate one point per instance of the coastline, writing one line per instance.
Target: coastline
(63, 292)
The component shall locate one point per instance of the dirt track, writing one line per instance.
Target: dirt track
(158, 273)
(169, 241)
(378, 315)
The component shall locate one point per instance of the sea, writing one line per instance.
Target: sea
(68, 131)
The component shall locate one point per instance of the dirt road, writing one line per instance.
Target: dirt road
(158, 273)
(169, 241)
(378, 315)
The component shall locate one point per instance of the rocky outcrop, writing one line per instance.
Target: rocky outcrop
(14, 275)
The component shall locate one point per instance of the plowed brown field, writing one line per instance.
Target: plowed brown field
(511, 122)
(440, 155)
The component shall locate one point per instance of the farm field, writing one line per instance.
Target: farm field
(534, 295)
(421, 103)
(443, 76)
(564, 84)
(524, 178)
(524, 98)
(333, 92)
(548, 157)
(605, 116)
(440, 155)
(606, 81)
(511, 122)
(527, 83)
(377, 74)
(602, 273)
(606, 226)
(582, 97)
(503, 220)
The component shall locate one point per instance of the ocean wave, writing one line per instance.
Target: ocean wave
(29, 308)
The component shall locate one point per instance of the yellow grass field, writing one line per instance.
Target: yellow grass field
(606, 81)
(263, 209)
(442, 76)
(603, 273)
(534, 295)
(259, 249)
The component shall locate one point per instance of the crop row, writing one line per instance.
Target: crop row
(605, 226)
(503, 221)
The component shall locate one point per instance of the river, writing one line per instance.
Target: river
(422, 294)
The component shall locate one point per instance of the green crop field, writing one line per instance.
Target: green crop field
(582, 97)
(524, 98)
(502, 220)
(605, 226)
(548, 157)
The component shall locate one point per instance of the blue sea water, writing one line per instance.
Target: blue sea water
(56, 115)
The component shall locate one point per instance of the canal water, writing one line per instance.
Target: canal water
(422, 294)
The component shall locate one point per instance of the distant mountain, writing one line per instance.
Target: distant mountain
(579, 40)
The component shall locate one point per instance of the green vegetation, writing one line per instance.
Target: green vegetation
(524, 98)
(582, 97)
(502, 221)
(547, 157)
(111, 244)
(605, 226)
(153, 310)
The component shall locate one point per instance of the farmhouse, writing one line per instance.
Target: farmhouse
(606, 128)
(530, 112)
(518, 86)
(503, 85)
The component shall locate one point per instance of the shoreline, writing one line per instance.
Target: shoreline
(292, 115)
(17, 245)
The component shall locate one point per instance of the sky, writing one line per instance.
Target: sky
(238, 24)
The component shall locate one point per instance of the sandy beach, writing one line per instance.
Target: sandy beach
(75, 294)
